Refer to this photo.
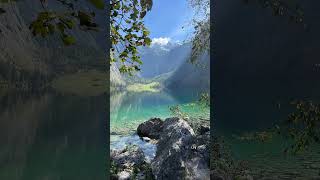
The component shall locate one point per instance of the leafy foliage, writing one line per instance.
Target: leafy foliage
(222, 164)
(201, 23)
(49, 22)
(204, 99)
(176, 111)
(282, 8)
(203, 27)
(303, 125)
(263, 136)
(126, 25)
(301, 128)
(203, 102)
(127, 32)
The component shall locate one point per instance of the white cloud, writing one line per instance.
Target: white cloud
(162, 41)
(178, 42)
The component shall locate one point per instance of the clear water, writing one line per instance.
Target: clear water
(120, 142)
(51, 136)
(128, 110)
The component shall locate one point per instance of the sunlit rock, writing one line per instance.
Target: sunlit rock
(177, 155)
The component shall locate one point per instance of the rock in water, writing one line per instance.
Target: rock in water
(177, 156)
(128, 162)
(151, 128)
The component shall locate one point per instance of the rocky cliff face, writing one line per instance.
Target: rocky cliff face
(160, 59)
(116, 80)
(18, 52)
(24, 57)
(191, 76)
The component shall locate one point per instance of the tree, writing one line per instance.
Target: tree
(204, 27)
(201, 22)
(289, 9)
(127, 30)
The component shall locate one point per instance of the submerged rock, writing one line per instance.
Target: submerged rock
(179, 153)
(129, 163)
(151, 128)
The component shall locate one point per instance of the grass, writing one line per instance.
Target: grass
(89, 83)
(139, 87)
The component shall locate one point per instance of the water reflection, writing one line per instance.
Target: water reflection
(50, 136)
(128, 110)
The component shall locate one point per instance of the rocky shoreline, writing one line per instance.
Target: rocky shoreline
(182, 152)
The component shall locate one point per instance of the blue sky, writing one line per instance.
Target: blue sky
(166, 19)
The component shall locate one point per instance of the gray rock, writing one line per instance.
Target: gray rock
(128, 157)
(176, 157)
(124, 175)
(151, 128)
(128, 161)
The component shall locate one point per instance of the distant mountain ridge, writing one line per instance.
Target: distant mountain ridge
(170, 66)
(191, 76)
(159, 59)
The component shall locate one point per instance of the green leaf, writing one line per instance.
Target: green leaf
(70, 24)
(117, 6)
(142, 14)
(68, 40)
(98, 3)
(146, 33)
(147, 41)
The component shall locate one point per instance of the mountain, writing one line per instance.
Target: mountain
(116, 79)
(25, 59)
(190, 76)
(159, 59)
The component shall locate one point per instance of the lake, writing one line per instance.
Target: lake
(52, 136)
(128, 110)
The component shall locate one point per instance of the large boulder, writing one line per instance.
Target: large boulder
(151, 128)
(129, 163)
(179, 154)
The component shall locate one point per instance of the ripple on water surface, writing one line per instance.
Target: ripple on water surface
(120, 142)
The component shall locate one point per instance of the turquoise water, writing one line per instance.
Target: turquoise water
(128, 110)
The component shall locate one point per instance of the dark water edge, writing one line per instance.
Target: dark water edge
(47, 135)
(267, 160)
